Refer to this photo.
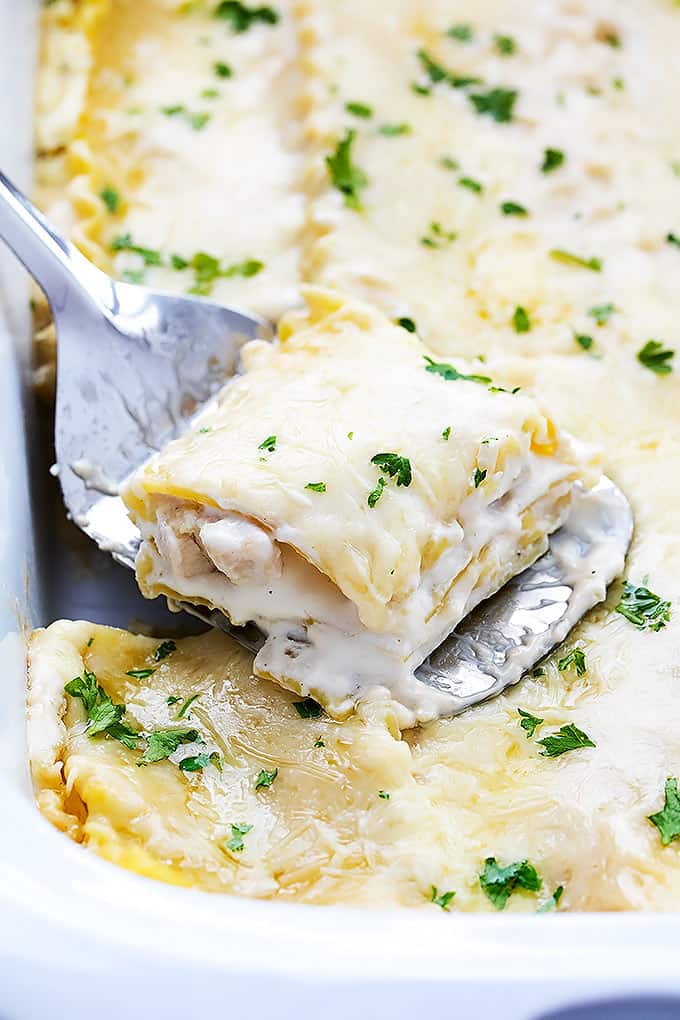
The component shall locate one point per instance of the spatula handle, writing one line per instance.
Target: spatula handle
(55, 265)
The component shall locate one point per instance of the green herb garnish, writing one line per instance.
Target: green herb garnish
(471, 184)
(583, 340)
(348, 178)
(268, 444)
(141, 674)
(162, 743)
(394, 130)
(164, 649)
(111, 198)
(552, 158)
(505, 45)
(407, 324)
(222, 70)
(567, 738)
(520, 320)
(265, 778)
(187, 705)
(241, 17)
(497, 103)
(441, 899)
(375, 494)
(551, 903)
(656, 357)
(103, 716)
(238, 831)
(513, 209)
(383, 795)
(316, 486)
(567, 258)
(450, 373)
(643, 608)
(463, 33)
(359, 110)
(667, 820)
(446, 433)
(602, 313)
(478, 477)
(395, 466)
(124, 242)
(576, 658)
(437, 237)
(529, 722)
(498, 884)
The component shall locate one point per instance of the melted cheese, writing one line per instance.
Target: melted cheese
(474, 786)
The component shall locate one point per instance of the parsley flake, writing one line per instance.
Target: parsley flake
(513, 209)
(667, 820)
(520, 320)
(463, 33)
(643, 608)
(450, 373)
(238, 831)
(394, 466)
(348, 178)
(359, 110)
(567, 738)
(583, 340)
(111, 199)
(478, 477)
(222, 70)
(268, 444)
(567, 258)
(656, 357)
(576, 658)
(529, 722)
(437, 237)
(187, 705)
(446, 433)
(124, 242)
(383, 795)
(164, 649)
(394, 130)
(376, 493)
(319, 742)
(241, 17)
(316, 486)
(308, 709)
(407, 324)
(265, 778)
(140, 674)
(498, 884)
(441, 899)
(471, 184)
(505, 44)
(162, 743)
(552, 901)
(552, 158)
(670, 238)
(497, 103)
(602, 313)
(198, 762)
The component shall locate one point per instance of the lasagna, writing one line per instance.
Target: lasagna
(355, 499)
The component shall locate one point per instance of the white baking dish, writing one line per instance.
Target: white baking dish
(78, 935)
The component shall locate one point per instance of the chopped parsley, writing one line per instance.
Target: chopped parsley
(140, 674)
(498, 884)
(529, 722)
(611, 38)
(268, 444)
(497, 103)
(178, 262)
(450, 373)
(576, 658)
(406, 323)
(441, 899)
(449, 163)
(643, 608)
(111, 199)
(195, 120)
(383, 795)
(394, 466)
(319, 742)
(197, 762)
(164, 649)
(124, 242)
(505, 44)
(162, 743)
(222, 70)
(348, 178)
(210, 93)
(103, 716)
(552, 158)
(134, 275)
(394, 130)
(478, 477)
(241, 17)
(446, 433)
(513, 209)
(238, 831)
(520, 320)
(359, 110)
(552, 901)
(307, 709)
(316, 486)
(265, 778)
(671, 238)
(656, 357)
(463, 33)
(583, 340)
(436, 74)
(187, 705)
(207, 269)
(437, 237)
(568, 258)
(471, 184)
(172, 700)
(375, 494)
(602, 313)
(667, 820)
(567, 738)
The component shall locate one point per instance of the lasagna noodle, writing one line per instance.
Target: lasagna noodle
(264, 515)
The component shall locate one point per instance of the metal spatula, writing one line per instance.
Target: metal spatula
(135, 366)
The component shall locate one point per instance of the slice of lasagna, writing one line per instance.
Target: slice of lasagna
(354, 498)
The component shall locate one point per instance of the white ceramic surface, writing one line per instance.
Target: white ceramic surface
(79, 937)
